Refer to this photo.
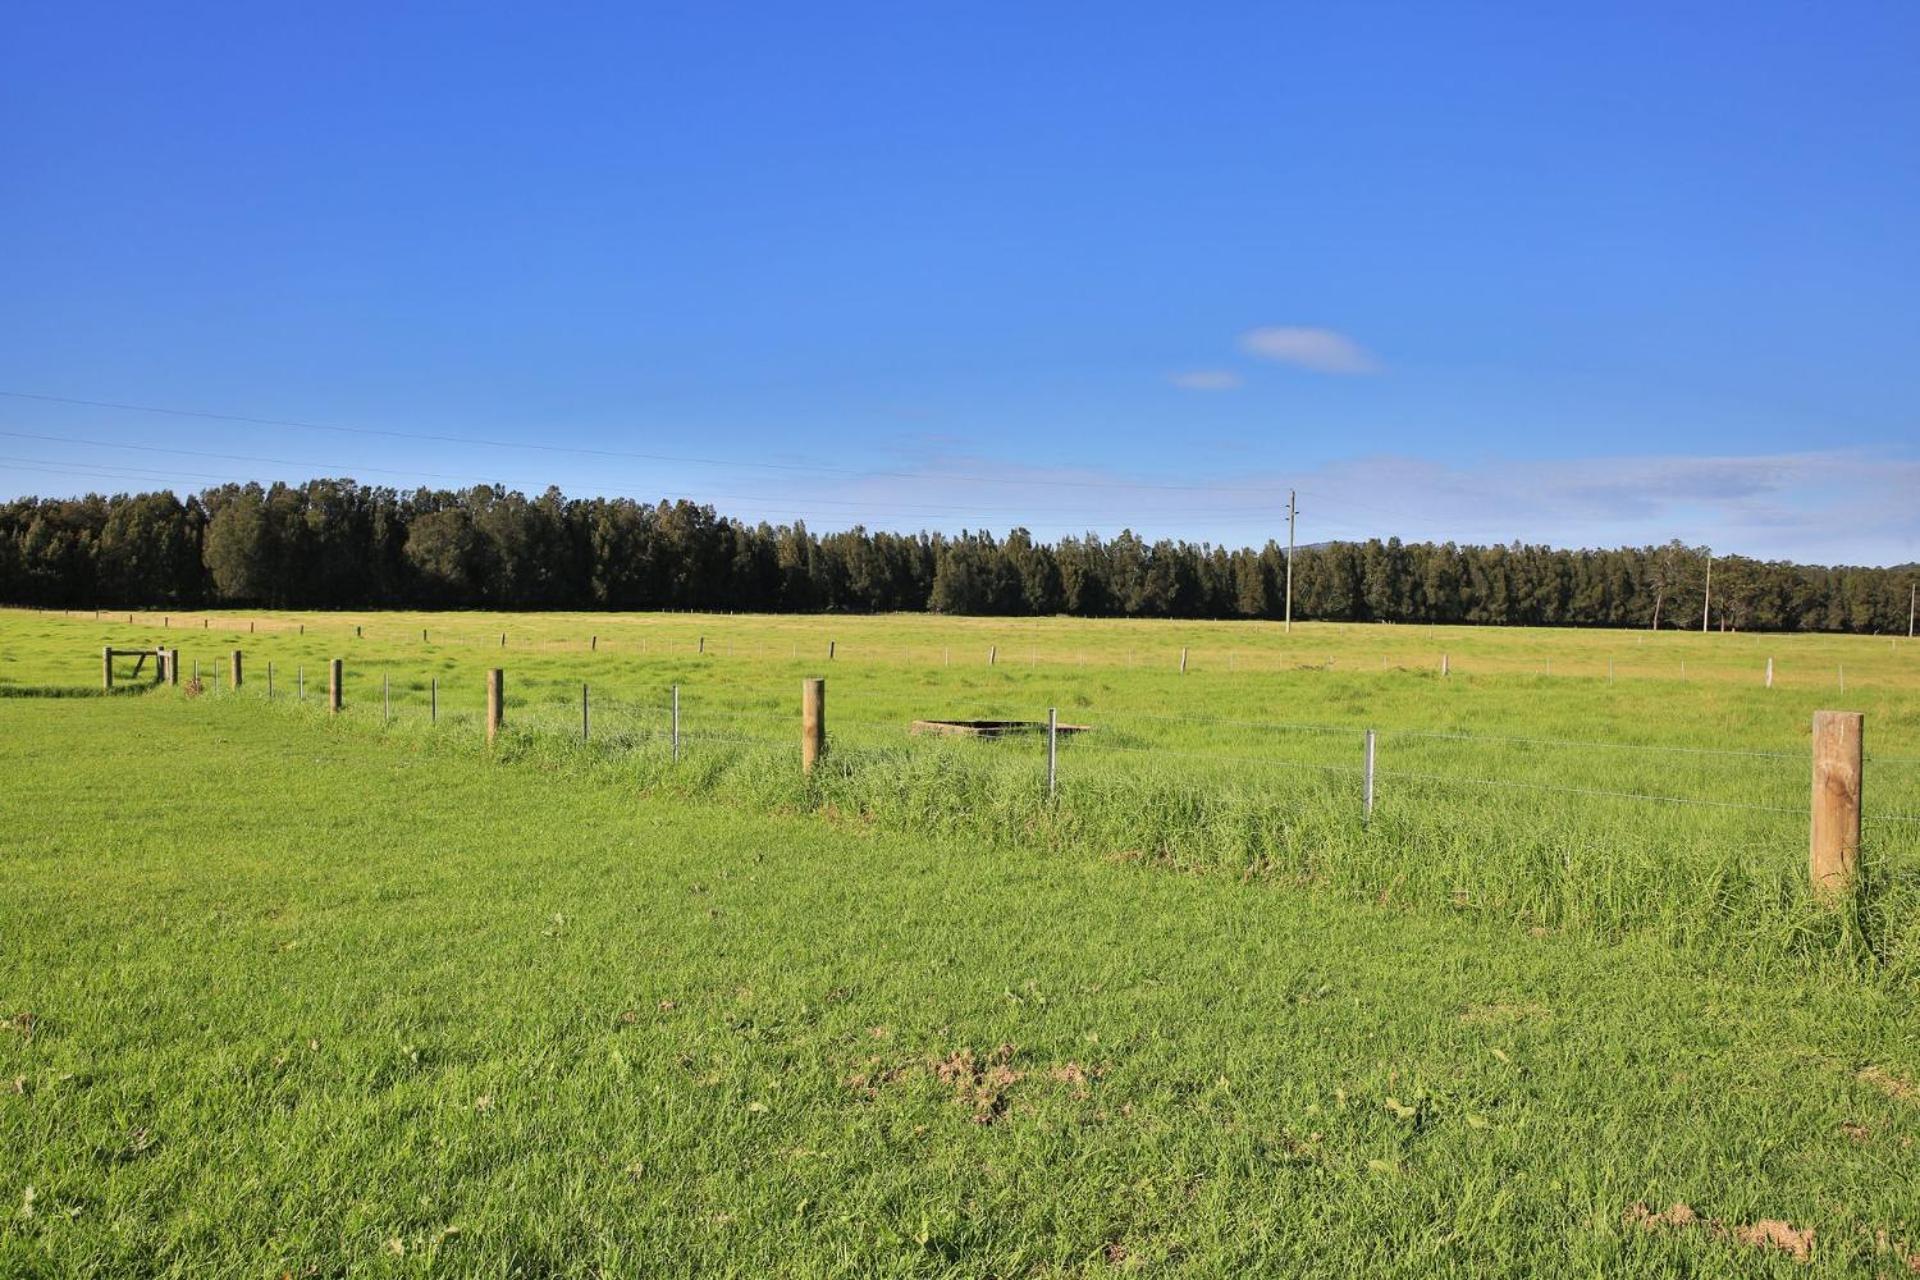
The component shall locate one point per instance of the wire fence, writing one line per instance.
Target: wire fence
(1379, 764)
(1763, 660)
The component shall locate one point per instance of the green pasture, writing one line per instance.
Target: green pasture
(1527, 783)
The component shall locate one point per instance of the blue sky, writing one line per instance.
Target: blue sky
(1584, 275)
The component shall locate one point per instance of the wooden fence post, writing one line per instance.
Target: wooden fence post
(334, 682)
(106, 667)
(1835, 845)
(173, 666)
(1183, 661)
(496, 702)
(813, 722)
(235, 677)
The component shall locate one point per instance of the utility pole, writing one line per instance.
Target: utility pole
(1292, 511)
(1707, 603)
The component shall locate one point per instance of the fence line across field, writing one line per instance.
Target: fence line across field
(1838, 757)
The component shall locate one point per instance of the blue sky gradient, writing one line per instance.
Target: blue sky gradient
(1479, 272)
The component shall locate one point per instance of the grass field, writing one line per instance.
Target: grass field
(322, 1003)
(1565, 800)
(285, 994)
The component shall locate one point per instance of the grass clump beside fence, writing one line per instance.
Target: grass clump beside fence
(1598, 860)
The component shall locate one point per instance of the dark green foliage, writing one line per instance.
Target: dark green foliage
(336, 544)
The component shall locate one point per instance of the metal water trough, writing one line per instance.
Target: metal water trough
(991, 728)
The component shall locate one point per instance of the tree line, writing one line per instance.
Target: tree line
(332, 544)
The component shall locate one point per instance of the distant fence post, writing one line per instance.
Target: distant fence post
(386, 699)
(813, 722)
(993, 653)
(173, 666)
(1183, 660)
(830, 645)
(234, 678)
(1053, 751)
(1369, 784)
(433, 700)
(1444, 667)
(496, 702)
(106, 667)
(594, 645)
(583, 711)
(676, 722)
(334, 681)
(1769, 673)
(1835, 844)
(269, 680)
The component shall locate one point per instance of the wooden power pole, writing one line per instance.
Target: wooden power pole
(1293, 510)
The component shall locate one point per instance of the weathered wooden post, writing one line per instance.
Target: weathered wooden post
(676, 722)
(1835, 848)
(106, 667)
(234, 666)
(583, 711)
(813, 722)
(269, 681)
(993, 653)
(1769, 673)
(173, 666)
(1183, 660)
(1445, 668)
(496, 702)
(830, 645)
(594, 647)
(334, 682)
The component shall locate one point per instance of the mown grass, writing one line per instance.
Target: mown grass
(286, 996)
(1644, 803)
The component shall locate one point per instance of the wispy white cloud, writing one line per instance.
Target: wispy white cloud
(1321, 350)
(1206, 380)
(1835, 507)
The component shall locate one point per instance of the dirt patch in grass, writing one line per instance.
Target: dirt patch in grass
(1767, 1233)
(981, 1082)
(1893, 1086)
